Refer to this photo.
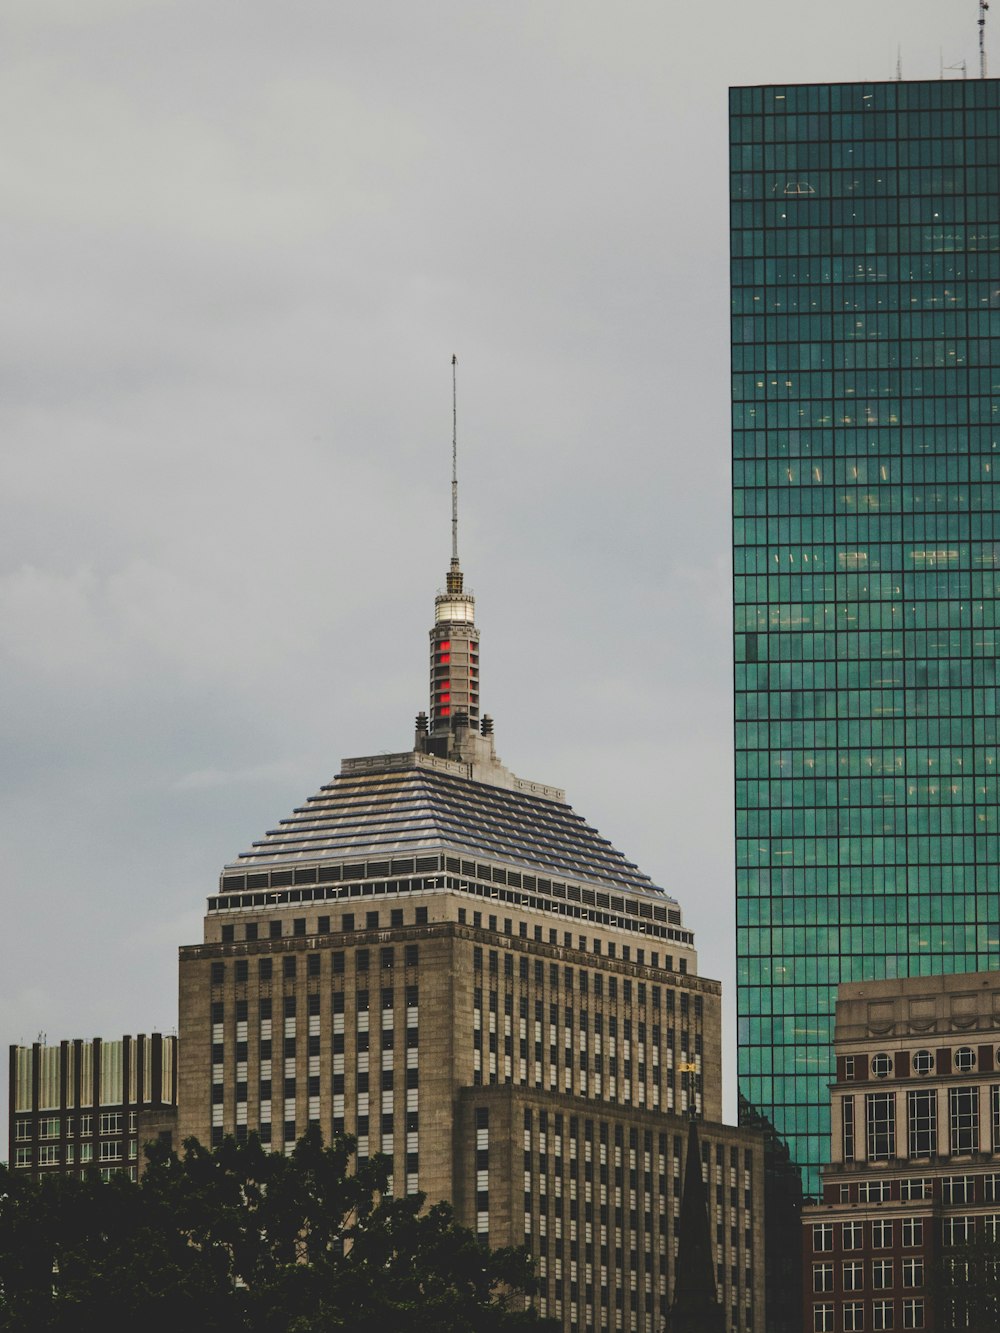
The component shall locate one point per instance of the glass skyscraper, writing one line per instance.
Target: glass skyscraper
(866, 421)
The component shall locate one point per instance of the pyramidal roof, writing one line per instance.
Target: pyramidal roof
(414, 803)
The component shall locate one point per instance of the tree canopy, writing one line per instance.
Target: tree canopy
(242, 1239)
(965, 1282)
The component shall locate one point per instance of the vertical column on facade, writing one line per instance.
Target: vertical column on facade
(128, 1057)
(78, 1100)
(902, 1137)
(943, 1123)
(36, 1079)
(65, 1100)
(985, 1118)
(836, 1130)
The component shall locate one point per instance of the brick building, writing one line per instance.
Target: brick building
(915, 1150)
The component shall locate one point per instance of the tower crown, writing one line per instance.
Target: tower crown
(454, 667)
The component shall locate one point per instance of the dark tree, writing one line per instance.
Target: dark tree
(965, 1287)
(243, 1239)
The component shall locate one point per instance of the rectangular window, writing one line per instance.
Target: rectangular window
(957, 1189)
(847, 1120)
(111, 1122)
(912, 1190)
(111, 1152)
(922, 1120)
(854, 1317)
(958, 1230)
(852, 1235)
(995, 1116)
(881, 1235)
(822, 1236)
(913, 1231)
(823, 1277)
(913, 1312)
(48, 1154)
(881, 1120)
(874, 1191)
(823, 1318)
(881, 1274)
(882, 1315)
(913, 1272)
(963, 1109)
(854, 1275)
(48, 1127)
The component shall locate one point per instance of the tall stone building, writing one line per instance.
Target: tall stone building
(446, 961)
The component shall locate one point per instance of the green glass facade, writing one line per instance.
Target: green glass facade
(866, 544)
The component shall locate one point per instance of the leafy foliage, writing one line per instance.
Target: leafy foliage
(965, 1282)
(243, 1239)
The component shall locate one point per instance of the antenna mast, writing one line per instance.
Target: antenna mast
(983, 7)
(454, 457)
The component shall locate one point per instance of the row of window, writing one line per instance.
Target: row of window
(585, 981)
(912, 1314)
(963, 1061)
(923, 1140)
(55, 1154)
(880, 1234)
(252, 930)
(57, 1127)
(388, 958)
(289, 1004)
(648, 913)
(410, 951)
(984, 1188)
(881, 1274)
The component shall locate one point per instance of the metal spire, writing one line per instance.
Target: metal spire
(983, 7)
(454, 581)
(454, 458)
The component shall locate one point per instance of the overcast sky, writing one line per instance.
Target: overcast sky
(240, 244)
